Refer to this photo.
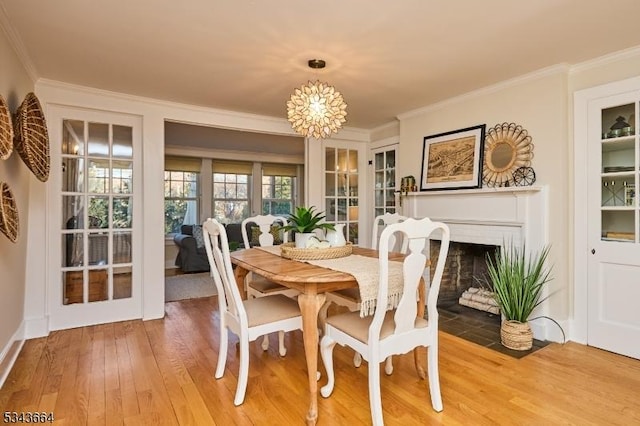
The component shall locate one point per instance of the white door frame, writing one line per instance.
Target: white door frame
(76, 315)
(578, 329)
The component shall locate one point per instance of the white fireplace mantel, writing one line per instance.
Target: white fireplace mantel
(489, 216)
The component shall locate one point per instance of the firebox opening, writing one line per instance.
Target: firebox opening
(465, 275)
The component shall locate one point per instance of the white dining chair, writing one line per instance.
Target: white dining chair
(350, 297)
(257, 285)
(248, 319)
(396, 331)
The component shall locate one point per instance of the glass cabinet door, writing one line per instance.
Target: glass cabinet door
(384, 180)
(341, 189)
(619, 173)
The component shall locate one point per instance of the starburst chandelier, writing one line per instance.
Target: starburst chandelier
(316, 109)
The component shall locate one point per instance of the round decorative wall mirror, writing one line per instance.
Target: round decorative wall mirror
(507, 147)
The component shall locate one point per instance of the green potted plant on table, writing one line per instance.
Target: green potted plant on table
(518, 281)
(304, 222)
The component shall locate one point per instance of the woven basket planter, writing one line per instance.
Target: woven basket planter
(516, 335)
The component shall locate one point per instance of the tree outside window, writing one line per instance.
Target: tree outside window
(278, 195)
(180, 200)
(231, 197)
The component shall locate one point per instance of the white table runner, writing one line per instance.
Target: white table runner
(366, 272)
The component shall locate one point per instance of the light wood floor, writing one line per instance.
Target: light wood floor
(161, 372)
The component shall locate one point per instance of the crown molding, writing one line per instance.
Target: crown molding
(536, 75)
(16, 43)
(633, 52)
(275, 125)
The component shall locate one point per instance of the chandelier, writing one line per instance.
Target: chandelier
(316, 109)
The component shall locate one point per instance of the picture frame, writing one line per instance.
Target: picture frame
(453, 160)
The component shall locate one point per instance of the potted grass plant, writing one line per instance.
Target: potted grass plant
(518, 281)
(303, 222)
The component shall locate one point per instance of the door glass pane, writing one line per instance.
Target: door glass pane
(72, 287)
(122, 142)
(122, 283)
(330, 160)
(122, 173)
(72, 249)
(72, 174)
(98, 212)
(98, 176)
(98, 248)
(122, 247)
(73, 137)
(330, 184)
(379, 161)
(98, 285)
(391, 159)
(72, 212)
(122, 211)
(342, 209)
(98, 145)
(342, 165)
(330, 210)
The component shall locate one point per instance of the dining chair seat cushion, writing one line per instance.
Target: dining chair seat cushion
(351, 324)
(263, 285)
(268, 309)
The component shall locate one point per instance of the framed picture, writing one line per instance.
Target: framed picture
(453, 160)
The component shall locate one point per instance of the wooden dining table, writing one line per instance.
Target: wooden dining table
(312, 282)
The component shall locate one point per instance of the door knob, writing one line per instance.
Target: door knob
(593, 251)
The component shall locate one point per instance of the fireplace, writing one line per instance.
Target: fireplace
(480, 220)
(464, 269)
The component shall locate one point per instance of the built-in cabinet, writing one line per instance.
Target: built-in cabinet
(384, 180)
(607, 216)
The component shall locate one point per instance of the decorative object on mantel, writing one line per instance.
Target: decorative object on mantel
(518, 279)
(524, 176)
(9, 219)
(453, 160)
(31, 137)
(316, 109)
(6, 131)
(304, 222)
(507, 147)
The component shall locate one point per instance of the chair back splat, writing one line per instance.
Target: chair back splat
(394, 328)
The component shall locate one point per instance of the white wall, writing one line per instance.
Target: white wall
(538, 102)
(14, 85)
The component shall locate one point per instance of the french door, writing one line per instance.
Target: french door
(614, 224)
(94, 217)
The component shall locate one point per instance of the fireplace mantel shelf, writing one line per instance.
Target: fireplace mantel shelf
(515, 190)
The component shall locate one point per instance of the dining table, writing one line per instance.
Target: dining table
(312, 282)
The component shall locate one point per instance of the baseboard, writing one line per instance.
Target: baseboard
(545, 329)
(10, 353)
(38, 327)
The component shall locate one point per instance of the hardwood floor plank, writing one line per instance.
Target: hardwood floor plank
(161, 372)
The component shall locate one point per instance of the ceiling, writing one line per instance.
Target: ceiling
(386, 57)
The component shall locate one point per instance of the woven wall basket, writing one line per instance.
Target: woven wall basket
(6, 131)
(516, 335)
(31, 137)
(9, 222)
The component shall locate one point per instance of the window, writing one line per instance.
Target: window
(279, 188)
(231, 197)
(180, 200)
(181, 192)
(278, 195)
